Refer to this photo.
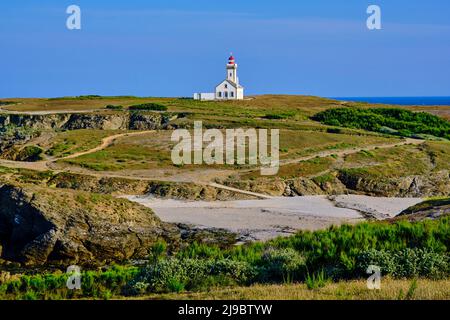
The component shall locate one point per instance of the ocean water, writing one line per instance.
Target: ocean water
(403, 101)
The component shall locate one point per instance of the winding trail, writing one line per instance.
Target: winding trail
(345, 152)
(108, 141)
(321, 154)
(45, 165)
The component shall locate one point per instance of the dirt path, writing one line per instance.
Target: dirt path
(43, 113)
(45, 165)
(345, 152)
(249, 193)
(108, 141)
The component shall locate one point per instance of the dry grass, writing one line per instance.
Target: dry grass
(345, 290)
(303, 143)
(73, 104)
(70, 142)
(393, 162)
(154, 150)
(146, 151)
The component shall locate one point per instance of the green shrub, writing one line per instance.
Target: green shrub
(148, 107)
(5, 103)
(29, 153)
(30, 295)
(334, 130)
(406, 263)
(172, 274)
(175, 285)
(157, 251)
(412, 290)
(381, 258)
(280, 115)
(316, 280)
(386, 120)
(114, 107)
(281, 264)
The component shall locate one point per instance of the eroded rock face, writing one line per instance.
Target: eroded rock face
(99, 120)
(434, 184)
(303, 187)
(147, 121)
(39, 225)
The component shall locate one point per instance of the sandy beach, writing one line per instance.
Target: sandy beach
(281, 216)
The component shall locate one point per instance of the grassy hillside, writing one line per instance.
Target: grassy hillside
(345, 127)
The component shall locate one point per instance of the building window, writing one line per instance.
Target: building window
(226, 94)
(232, 94)
(219, 94)
(226, 86)
(231, 74)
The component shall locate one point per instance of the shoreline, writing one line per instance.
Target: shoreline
(261, 220)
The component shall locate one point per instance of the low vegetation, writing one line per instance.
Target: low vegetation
(386, 120)
(114, 107)
(5, 103)
(68, 142)
(30, 153)
(319, 259)
(148, 107)
(391, 289)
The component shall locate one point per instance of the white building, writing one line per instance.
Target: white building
(228, 89)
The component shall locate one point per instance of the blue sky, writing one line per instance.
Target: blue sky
(175, 48)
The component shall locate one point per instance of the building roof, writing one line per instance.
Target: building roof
(237, 86)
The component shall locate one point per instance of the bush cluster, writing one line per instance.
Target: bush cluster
(114, 107)
(148, 107)
(406, 263)
(284, 264)
(173, 274)
(386, 120)
(402, 249)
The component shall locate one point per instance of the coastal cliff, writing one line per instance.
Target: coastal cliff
(100, 120)
(46, 226)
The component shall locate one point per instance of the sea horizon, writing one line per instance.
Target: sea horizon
(404, 101)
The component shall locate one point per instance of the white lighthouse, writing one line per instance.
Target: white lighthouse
(228, 89)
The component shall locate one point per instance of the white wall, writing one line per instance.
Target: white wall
(204, 96)
(230, 89)
(240, 94)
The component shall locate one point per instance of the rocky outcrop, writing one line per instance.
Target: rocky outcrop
(433, 184)
(11, 136)
(429, 209)
(191, 191)
(105, 185)
(303, 187)
(39, 122)
(147, 121)
(97, 121)
(40, 225)
(94, 120)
